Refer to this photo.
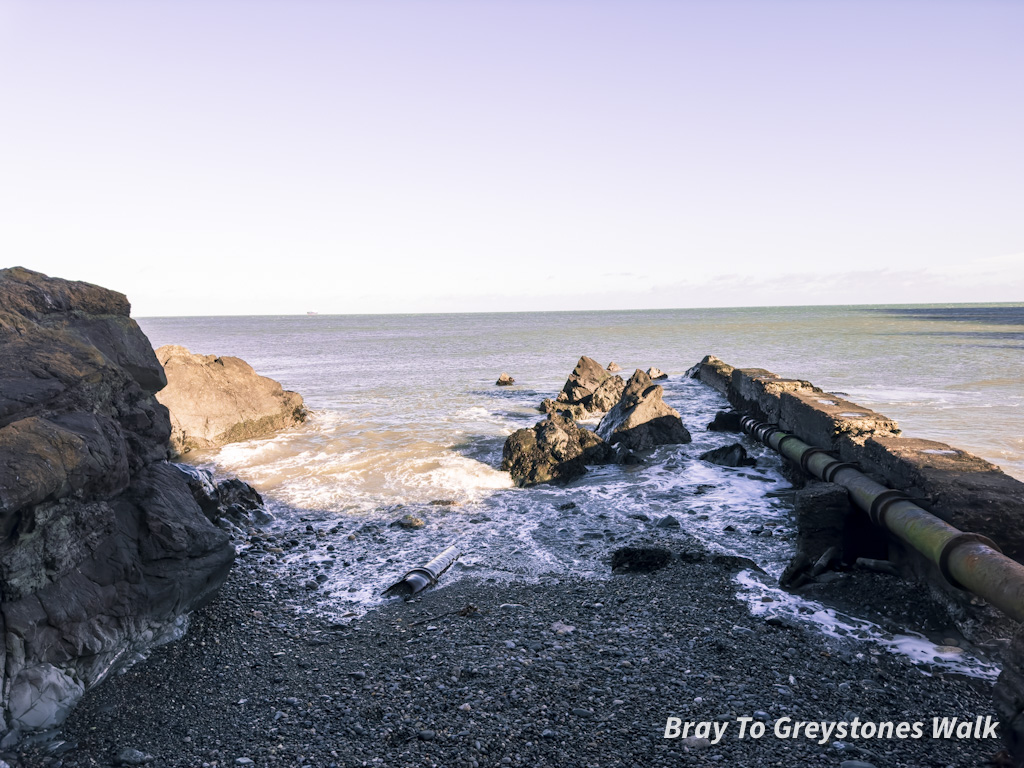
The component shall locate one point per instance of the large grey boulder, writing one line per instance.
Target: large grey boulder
(217, 400)
(641, 419)
(104, 551)
(554, 450)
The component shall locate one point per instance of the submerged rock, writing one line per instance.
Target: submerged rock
(217, 400)
(641, 419)
(103, 547)
(504, 380)
(553, 450)
(734, 455)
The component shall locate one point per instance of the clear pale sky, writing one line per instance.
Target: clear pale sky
(221, 157)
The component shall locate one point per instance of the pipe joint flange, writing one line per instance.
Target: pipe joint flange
(829, 473)
(805, 459)
(766, 432)
(881, 503)
(748, 424)
(953, 543)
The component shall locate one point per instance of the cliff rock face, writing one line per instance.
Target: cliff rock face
(216, 400)
(103, 548)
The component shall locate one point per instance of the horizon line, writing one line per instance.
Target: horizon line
(311, 313)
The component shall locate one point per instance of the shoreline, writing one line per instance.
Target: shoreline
(434, 682)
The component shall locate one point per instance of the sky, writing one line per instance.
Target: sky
(230, 157)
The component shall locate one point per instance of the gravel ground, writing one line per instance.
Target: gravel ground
(558, 673)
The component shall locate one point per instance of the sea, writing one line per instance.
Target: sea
(405, 418)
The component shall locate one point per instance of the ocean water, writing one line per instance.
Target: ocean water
(405, 413)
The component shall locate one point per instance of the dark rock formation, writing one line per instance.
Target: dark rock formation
(504, 380)
(821, 513)
(103, 549)
(641, 419)
(640, 559)
(229, 504)
(726, 421)
(216, 400)
(556, 449)
(589, 390)
(734, 455)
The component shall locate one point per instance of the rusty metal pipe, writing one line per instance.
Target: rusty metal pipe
(425, 576)
(966, 560)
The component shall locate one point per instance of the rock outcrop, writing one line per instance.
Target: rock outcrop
(554, 450)
(217, 400)
(505, 380)
(103, 549)
(656, 373)
(614, 367)
(590, 389)
(641, 419)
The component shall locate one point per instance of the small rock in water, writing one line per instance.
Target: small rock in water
(505, 380)
(667, 522)
(408, 522)
(734, 455)
(656, 373)
(614, 367)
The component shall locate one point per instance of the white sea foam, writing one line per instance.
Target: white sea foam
(916, 647)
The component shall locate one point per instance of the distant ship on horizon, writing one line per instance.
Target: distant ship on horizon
(312, 313)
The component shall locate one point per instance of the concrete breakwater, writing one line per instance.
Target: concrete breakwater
(958, 488)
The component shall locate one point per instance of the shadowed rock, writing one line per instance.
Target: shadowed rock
(641, 419)
(640, 559)
(103, 548)
(217, 400)
(554, 450)
(734, 455)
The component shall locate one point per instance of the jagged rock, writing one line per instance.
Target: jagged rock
(641, 419)
(584, 380)
(573, 411)
(556, 449)
(607, 394)
(102, 546)
(614, 367)
(734, 455)
(640, 559)
(726, 421)
(656, 373)
(217, 400)
(505, 380)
